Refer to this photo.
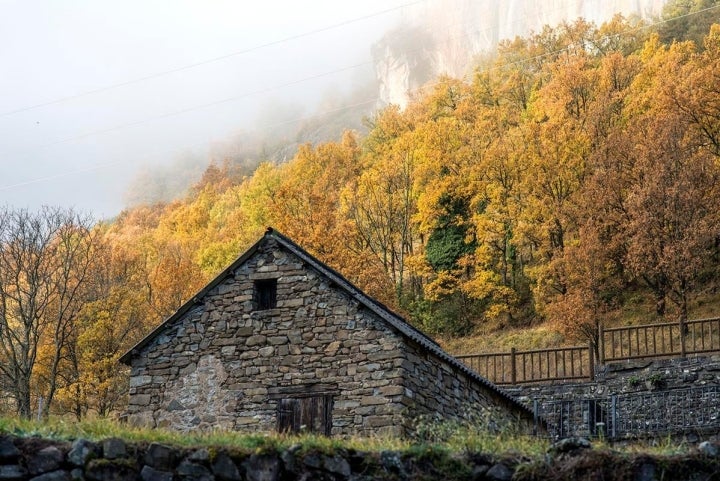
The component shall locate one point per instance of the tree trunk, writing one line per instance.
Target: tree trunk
(22, 398)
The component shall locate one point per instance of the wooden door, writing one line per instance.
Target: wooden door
(305, 414)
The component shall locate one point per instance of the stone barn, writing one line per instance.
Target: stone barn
(280, 341)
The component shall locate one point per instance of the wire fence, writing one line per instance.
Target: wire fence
(634, 415)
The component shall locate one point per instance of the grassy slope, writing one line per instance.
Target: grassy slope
(637, 309)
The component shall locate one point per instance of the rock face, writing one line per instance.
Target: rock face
(320, 358)
(443, 37)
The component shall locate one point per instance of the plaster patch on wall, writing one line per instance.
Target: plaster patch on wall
(198, 399)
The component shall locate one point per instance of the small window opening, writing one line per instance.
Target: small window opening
(266, 294)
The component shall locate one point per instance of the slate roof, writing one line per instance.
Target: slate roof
(383, 312)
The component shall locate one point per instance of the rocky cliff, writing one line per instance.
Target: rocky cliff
(443, 36)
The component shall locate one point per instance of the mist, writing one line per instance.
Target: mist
(87, 105)
(103, 105)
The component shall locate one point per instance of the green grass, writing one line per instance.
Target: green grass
(436, 438)
(451, 437)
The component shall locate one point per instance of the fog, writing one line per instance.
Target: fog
(106, 104)
(94, 93)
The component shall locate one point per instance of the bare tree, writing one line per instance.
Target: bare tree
(45, 257)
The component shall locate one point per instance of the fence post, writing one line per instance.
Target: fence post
(513, 370)
(601, 345)
(682, 338)
(613, 416)
(591, 358)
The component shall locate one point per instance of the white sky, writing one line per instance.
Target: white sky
(81, 152)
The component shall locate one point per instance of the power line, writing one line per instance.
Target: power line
(121, 161)
(609, 36)
(199, 107)
(247, 94)
(210, 60)
(287, 84)
(60, 175)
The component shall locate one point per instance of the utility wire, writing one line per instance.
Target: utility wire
(606, 37)
(339, 70)
(198, 107)
(252, 93)
(209, 61)
(122, 161)
(376, 99)
(224, 57)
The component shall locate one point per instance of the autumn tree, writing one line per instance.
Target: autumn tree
(688, 20)
(381, 201)
(592, 281)
(45, 259)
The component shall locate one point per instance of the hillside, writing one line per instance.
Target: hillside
(573, 181)
(573, 190)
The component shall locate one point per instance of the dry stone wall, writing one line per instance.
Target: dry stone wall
(629, 377)
(634, 399)
(35, 459)
(225, 363)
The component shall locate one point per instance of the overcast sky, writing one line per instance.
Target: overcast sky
(62, 144)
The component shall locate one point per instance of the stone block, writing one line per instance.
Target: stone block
(46, 460)
(266, 351)
(290, 303)
(383, 355)
(244, 331)
(59, 475)
(372, 400)
(368, 367)
(13, 472)
(193, 472)
(150, 474)
(81, 451)
(8, 451)
(391, 390)
(262, 468)
(255, 340)
(225, 469)
(245, 421)
(114, 448)
(160, 456)
(104, 470)
(378, 421)
(137, 381)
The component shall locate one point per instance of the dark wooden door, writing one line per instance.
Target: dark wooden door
(305, 414)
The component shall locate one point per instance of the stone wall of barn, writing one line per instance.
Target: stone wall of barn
(226, 364)
(439, 390)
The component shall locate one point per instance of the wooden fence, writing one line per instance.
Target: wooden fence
(668, 339)
(517, 367)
